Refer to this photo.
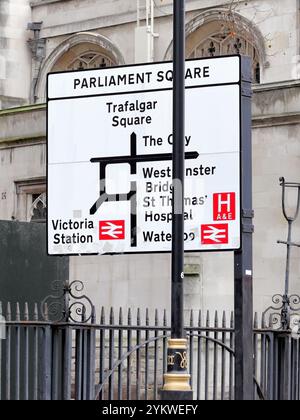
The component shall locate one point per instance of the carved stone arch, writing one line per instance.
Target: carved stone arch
(204, 24)
(94, 41)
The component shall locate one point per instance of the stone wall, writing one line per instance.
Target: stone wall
(22, 154)
(145, 280)
(15, 60)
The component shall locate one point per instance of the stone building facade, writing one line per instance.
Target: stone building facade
(40, 36)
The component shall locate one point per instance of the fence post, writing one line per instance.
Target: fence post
(67, 362)
(91, 362)
(284, 367)
(46, 363)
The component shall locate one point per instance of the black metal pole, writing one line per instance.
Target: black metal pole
(176, 380)
(288, 258)
(177, 324)
(243, 263)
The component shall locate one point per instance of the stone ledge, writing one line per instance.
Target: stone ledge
(87, 25)
(36, 3)
(275, 120)
(26, 124)
(267, 87)
(21, 142)
(281, 98)
(18, 110)
(111, 18)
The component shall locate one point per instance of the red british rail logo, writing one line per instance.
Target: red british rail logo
(110, 230)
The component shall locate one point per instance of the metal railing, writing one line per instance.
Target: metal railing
(124, 357)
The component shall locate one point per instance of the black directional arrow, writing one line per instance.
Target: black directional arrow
(134, 158)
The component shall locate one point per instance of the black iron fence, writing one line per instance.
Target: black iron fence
(123, 356)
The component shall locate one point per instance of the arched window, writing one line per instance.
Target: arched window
(223, 31)
(91, 60)
(227, 43)
(84, 56)
(85, 50)
(38, 210)
(31, 201)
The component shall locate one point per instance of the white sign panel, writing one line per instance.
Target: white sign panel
(110, 158)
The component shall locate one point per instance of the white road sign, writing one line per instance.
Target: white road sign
(110, 158)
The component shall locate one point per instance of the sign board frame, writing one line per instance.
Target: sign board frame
(241, 147)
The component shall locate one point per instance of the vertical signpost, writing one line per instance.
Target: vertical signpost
(243, 260)
(176, 380)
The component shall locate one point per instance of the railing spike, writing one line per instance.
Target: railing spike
(192, 318)
(216, 319)
(121, 316)
(207, 319)
(224, 320)
(138, 317)
(129, 316)
(26, 312)
(18, 313)
(200, 318)
(255, 321)
(147, 316)
(111, 316)
(35, 312)
(156, 317)
(263, 321)
(102, 317)
(46, 312)
(231, 319)
(8, 312)
(93, 315)
(165, 318)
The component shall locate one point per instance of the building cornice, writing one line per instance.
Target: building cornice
(264, 121)
(268, 87)
(36, 3)
(23, 126)
(22, 109)
(165, 8)
(22, 142)
(112, 19)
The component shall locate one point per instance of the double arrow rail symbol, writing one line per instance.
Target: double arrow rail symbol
(214, 234)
